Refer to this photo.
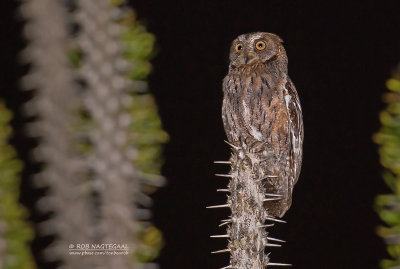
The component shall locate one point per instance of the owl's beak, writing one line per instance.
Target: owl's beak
(249, 58)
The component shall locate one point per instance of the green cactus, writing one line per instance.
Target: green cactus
(146, 133)
(101, 142)
(388, 139)
(15, 233)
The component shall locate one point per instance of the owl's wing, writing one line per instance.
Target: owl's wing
(227, 110)
(296, 129)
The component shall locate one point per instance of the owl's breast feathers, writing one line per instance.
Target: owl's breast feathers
(263, 108)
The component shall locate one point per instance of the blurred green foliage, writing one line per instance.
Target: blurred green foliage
(151, 243)
(388, 139)
(147, 135)
(15, 233)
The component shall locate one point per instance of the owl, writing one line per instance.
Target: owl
(262, 115)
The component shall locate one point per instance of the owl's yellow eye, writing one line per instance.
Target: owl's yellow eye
(239, 47)
(260, 45)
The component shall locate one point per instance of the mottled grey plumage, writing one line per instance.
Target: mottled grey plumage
(262, 114)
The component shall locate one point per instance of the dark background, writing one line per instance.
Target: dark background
(340, 54)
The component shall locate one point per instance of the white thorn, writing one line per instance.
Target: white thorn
(273, 194)
(266, 225)
(233, 146)
(221, 251)
(273, 245)
(223, 190)
(276, 239)
(271, 199)
(226, 220)
(218, 206)
(265, 177)
(220, 236)
(278, 264)
(223, 162)
(225, 223)
(224, 175)
(277, 220)
(228, 267)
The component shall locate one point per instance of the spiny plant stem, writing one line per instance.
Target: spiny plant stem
(99, 163)
(54, 104)
(107, 100)
(246, 227)
(247, 237)
(115, 146)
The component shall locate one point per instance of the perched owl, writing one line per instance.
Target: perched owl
(261, 113)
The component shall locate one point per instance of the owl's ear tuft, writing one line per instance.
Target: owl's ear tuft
(279, 38)
(276, 37)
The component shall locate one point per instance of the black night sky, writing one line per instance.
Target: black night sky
(340, 54)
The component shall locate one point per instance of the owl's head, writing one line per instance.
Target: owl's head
(255, 48)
